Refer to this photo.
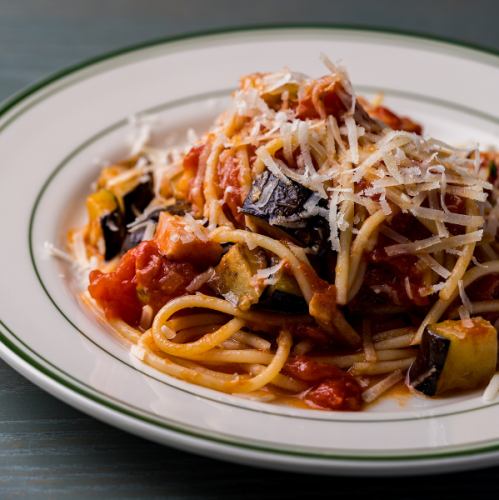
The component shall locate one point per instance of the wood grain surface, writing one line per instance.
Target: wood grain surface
(48, 449)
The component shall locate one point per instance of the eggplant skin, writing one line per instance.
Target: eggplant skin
(234, 275)
(425, 372)
(455, 355)
(277, 202)
(283, 302)
(133, 238)
(136, 200)
(276, 207)
(113, 232)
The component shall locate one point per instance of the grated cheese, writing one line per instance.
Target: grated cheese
(468, 307)
(451, 218)
(492, 389)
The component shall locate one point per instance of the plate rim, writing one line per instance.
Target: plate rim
(49, 379)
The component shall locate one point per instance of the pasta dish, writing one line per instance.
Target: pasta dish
(311, 248)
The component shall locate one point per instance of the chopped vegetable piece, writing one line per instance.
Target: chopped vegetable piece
(143, 277)
(106, 222)
(277, 202)
(323, 305)
(395, 121)
(234, 276)
(335, 389)
(284, 295)
(337, 394)
(185, 240)
(136, 199)
(136, 235)
(278, 209)
(455, 355)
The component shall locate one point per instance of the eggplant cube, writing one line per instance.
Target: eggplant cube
(137, 198)
(234, 276)
(275, 201)
(277, 208)
(454, 356)
(284, 296)
(106, 222)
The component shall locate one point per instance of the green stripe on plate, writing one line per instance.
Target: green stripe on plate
(21, 102)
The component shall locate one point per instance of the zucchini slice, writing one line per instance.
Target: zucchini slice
(454, 356)
(106, 222)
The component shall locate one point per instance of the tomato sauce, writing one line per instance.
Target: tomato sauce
(310, 332)
(485, 288)
(395, 121)
(333, 389)
(143, 276)
(228, 171)
(385, 277)
(327, 96)
(189, 185)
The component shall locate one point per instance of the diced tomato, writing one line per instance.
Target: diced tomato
(486, 288)
(191, 159)
(159, 279)
(410, 227)
(394, 121)
(334, 389)
(321, 98)
(310, 332)
(337, 394)
(489, 161)
(228, 170)
(386, 276)
(116, 292)
(364, 184)
(455, 203)
(180, 241)
(306, 369)
(143, 276)
(188, 186)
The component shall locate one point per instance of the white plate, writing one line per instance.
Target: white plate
(50, 137)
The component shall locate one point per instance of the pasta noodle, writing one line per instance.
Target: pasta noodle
(306, 246)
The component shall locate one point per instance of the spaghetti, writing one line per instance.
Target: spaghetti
(309, 245)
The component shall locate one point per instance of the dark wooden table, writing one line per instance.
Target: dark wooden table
(48, 449)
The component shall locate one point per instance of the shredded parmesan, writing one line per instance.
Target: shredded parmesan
(200, 280)
(451, 218)
(464, 298)
(492, 389)
(375, 391)
(268, 274)
(194, 226)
